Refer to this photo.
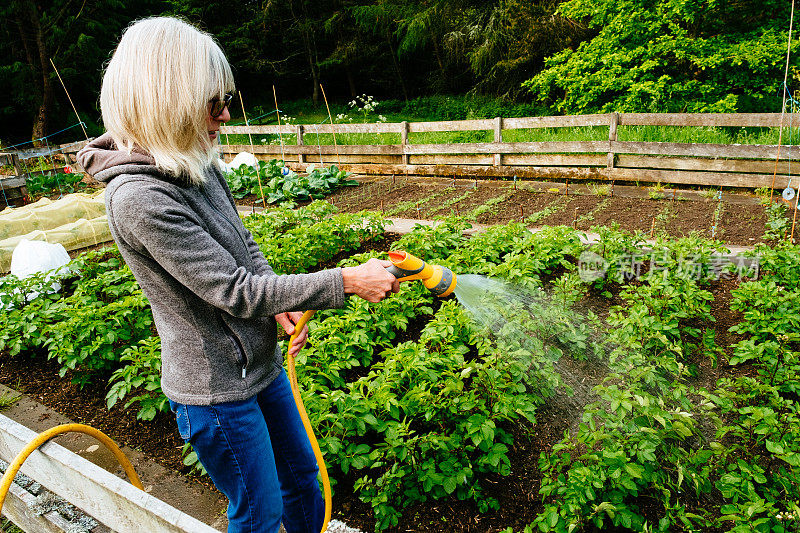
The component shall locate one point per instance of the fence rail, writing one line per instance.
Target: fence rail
(732, 165)
(729, 165)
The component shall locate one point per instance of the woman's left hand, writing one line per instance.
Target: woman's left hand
(288, 320)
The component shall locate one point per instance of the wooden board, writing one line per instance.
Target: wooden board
(332, 159)
(738, 120)
(451, 125)
(568, 121)
(307, 149)
(446, 159)
(745, 151)
(313, 129)
(541, 160)
(510, 148)
(707, 164)
(17, 508)
(107, 498)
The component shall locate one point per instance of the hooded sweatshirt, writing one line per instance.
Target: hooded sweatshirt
(212, 292)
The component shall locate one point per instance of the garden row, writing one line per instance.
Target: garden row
(413, 401)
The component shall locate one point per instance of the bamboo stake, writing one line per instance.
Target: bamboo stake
(70, 99)
(653, 227)
(336, 146)
(253, 149)
(278, 112)
(783, 107)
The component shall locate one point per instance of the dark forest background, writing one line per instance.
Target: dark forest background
(577, 56)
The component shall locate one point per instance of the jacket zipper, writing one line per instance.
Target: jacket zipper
(220, 213)
(241, 356)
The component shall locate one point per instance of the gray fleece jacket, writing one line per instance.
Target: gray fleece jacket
(212, 292)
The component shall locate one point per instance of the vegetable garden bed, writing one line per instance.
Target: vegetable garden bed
(430, 424)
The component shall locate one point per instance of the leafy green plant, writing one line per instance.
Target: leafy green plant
(140, 374)
(47, 183)
(292, 187)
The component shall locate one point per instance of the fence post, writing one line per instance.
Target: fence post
(498, 138)
(612, 138)
(15, 162)
(404, 141)
(300, 157)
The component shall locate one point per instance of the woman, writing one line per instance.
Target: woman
(214, 297)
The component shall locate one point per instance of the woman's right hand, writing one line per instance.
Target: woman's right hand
(370, 280)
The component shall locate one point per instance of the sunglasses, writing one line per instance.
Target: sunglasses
(218, 106)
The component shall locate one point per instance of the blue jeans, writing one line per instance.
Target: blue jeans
(258, 454)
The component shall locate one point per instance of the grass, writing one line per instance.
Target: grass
(7, 399)
(673, 134)
(7, 526)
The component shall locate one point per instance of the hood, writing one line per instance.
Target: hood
(104, 161)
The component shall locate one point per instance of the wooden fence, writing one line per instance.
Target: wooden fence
(727, 165)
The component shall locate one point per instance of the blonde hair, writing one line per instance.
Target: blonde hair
(156, 90)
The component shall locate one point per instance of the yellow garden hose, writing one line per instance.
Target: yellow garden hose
(326, 484)
(41, 438)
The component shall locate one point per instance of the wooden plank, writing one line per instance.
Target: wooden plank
(707, 164)
(567, 121)
(17, 508)
(758, 120)
(714, 179)
(744, 151)
(313, 129)
(104, 496)
(710, 179)
(510, 148)
(446, 159)
(612, 136)
(451, 125)
(73, 147)
(355, 158)
(11, 183)
(404, 140)
(498, 138)
(546, 160)
(255, 129)
(310, 149)
(300, 158)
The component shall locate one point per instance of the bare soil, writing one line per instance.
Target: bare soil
(736, 220)
(735, 223)
(517, 493)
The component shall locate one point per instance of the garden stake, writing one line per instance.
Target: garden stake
(612, 189)
(575, 219)
(653, 227)
(277, 114)
(441, 281)
(252, 147)
(70, 99)
(566, 188)
(417, 209)
(521, 214)
(783, 106)
(336, 146)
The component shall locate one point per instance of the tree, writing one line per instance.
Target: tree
(77, 36)
(670, 56)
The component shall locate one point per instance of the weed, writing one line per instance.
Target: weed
(599, 189)
(7, 399)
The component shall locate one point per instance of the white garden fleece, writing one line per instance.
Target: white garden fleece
(212, 292)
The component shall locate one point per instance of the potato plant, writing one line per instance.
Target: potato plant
(413, 401)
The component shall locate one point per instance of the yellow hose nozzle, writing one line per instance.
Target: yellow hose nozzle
(441, 281)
